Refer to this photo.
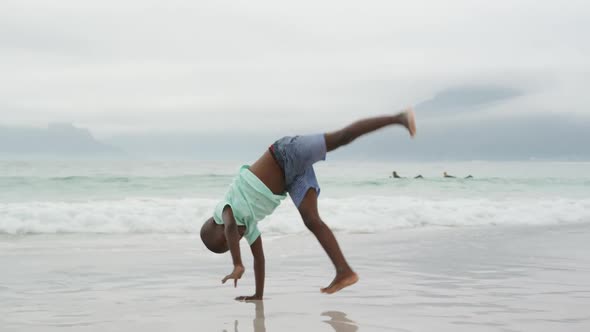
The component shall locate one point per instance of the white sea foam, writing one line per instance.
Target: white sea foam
(353, 214)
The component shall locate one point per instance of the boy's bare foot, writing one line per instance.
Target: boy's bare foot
(409, 121)
(340, 281)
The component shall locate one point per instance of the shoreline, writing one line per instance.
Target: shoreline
(485, 278)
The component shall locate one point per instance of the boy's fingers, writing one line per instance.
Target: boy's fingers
(231, 276)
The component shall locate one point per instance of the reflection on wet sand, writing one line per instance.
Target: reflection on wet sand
(258, 319)
(338, 320)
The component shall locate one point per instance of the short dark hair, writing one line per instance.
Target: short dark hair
(212, 238)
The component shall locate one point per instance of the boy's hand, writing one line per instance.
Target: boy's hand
(249, 298)
(236, 274)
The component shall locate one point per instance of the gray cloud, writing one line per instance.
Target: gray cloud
(214, 67)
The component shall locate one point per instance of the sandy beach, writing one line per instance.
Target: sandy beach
(485, 278)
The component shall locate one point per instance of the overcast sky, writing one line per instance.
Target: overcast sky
(218, 66)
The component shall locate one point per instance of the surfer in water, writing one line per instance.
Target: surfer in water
(286, 167)
(396, 176)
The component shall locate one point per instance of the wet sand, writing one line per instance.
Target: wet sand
(447, 279)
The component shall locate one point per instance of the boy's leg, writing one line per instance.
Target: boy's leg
(309, 212)
(348, 134)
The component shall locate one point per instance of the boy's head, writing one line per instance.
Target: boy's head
(213, 236)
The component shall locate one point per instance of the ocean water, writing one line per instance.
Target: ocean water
(125, 197)
(114, 246)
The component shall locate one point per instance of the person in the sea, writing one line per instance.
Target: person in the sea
(286, 166)
(448, 176)
(469, 177)
(396, 176)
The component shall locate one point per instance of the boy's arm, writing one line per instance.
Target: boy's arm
(233, 242)
(258, 253)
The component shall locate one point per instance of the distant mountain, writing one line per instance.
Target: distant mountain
(512, 137)
(467, 98)
(194, 145)
(55, 140)
(518, 137)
